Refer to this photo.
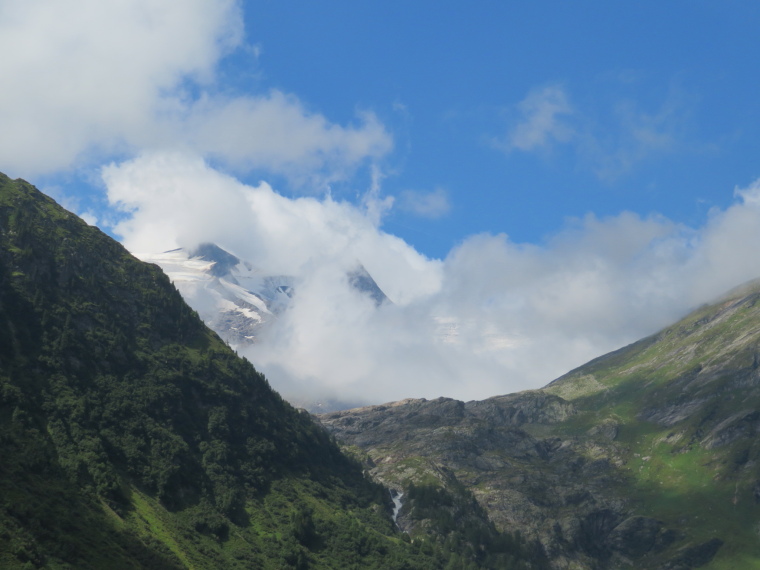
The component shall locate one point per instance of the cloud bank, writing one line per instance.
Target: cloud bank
(493, 317)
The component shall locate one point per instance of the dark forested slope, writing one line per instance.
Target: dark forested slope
(132, 437)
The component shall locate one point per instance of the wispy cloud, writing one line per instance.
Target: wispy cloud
(631, 136)
(434, 204)
(610, 141)
(541, 121)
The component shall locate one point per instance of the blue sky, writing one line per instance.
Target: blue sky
(448, 83)
(531, 183)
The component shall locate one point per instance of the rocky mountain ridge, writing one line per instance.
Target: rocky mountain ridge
(644, 458)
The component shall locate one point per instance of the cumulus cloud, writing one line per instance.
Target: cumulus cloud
(275, 131)
(493, 317)
(135, 74)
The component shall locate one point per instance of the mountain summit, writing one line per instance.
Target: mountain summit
(234, 297)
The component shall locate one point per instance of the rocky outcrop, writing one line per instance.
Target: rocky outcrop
(744, 424)
(566, 491)
(637, 536)
(551, 489)
(534, 407)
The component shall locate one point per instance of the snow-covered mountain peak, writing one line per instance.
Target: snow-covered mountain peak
(222, 261)
(233, 296)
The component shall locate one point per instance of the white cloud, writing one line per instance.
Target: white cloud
(276, 132)
(749, 195)
(493, 317)
(94, 78)
(176, 200)
(89, 73)
(541, 121)
(434, 204)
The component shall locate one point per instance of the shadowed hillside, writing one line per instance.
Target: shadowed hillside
(132, 437)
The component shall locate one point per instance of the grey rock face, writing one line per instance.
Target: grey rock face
(550, 489)
(533, 407)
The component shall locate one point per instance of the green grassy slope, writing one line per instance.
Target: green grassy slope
(686, 403)
(132, 437)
